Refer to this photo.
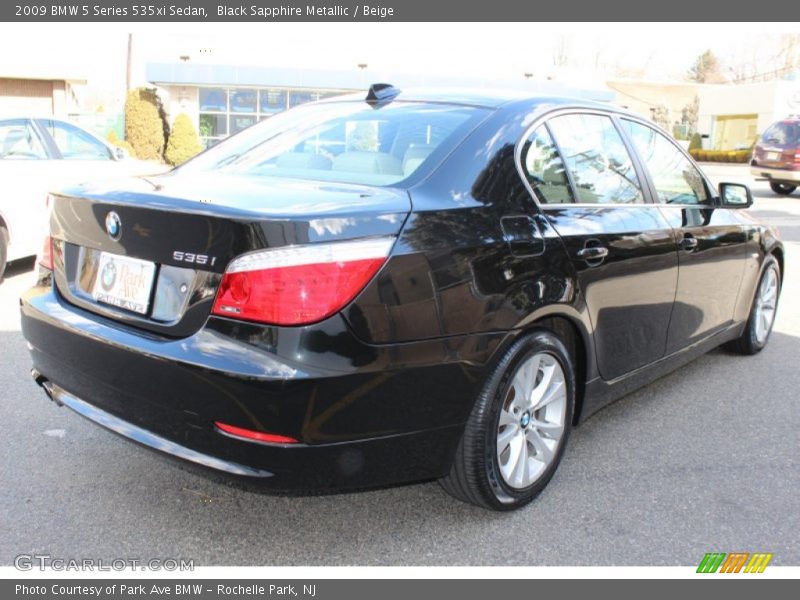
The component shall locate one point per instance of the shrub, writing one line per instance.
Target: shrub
(734, 156)
(145, 123)
(696, 142)
(183, 142)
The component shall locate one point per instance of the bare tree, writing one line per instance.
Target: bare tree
(789, 52)
(766, 59)
(661, 116)
(689, 115)
(561, 52)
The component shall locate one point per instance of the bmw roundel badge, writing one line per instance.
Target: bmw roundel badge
(108, 277)
(113, 225)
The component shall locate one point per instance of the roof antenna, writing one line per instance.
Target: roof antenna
(380, 94)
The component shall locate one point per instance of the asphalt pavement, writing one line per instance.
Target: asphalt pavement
(703, 460)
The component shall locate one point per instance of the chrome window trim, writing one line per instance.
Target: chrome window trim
(611, 113)
(614, 205)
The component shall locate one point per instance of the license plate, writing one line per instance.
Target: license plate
(773, 155)
(124, 282)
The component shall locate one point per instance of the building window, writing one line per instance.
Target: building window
(239, 122)
(244, 101)
(213, 100)
(272, 100)
(213, 126)
(225, 111)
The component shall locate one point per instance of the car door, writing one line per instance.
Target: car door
(24, 164)
(711, 241)
(82, 155)
(621, 246)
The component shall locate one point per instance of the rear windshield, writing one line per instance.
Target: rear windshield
(345, 142)
(784, 133)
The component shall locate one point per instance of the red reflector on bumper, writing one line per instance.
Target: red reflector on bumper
(254, 436)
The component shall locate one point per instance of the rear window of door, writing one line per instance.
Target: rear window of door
(544, 169)
(75, 143)
(19, 141)
(675, 178)
(599, 165)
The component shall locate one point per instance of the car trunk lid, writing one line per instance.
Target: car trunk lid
(177, 234)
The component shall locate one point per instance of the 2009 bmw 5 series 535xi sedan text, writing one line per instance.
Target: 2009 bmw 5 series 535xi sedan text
(407, 286)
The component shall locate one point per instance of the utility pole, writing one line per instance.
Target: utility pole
(128, 64)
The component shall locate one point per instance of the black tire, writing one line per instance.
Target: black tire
(748, 343)
(475, 475)
(3, 251)
(783, 189)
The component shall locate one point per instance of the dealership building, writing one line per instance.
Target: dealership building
(224, 99)
(733, 116)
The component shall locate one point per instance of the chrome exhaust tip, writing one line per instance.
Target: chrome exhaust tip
(46, 385)
(38, 377)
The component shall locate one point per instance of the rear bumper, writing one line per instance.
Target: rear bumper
(775, 174)
(143, 436)
(364, 416)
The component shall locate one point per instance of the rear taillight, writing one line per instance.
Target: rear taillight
(298, 285)
(45, 258)
(797, 156)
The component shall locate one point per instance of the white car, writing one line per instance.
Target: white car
(41, 154)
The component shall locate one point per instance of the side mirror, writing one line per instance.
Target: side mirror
(120, 153)
(735, 195)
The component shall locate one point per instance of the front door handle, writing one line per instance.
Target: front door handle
(688, 243)
(593, 253)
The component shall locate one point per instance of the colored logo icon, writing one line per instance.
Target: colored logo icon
(735, 562)
(109, 276)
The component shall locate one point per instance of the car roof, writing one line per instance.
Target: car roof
(16, 117)
(492, 98)
(48, 118)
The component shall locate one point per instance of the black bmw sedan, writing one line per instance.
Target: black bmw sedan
(404, 286)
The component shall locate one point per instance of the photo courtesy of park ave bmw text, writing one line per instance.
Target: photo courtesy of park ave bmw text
(322, 300)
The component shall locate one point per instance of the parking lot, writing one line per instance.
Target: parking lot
(705, 459)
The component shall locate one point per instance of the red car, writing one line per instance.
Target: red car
(776, 156)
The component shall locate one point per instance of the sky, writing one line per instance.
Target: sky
(657, 51)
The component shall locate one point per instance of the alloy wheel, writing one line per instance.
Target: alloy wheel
(766, 303)
(532, 420)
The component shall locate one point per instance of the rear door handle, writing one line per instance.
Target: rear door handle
(593, 253)
(688, 243)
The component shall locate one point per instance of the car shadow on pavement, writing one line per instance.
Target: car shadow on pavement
(650, 466)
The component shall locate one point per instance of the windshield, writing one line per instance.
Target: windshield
(345, 142)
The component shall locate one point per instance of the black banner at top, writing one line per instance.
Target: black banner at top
(397, 10)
